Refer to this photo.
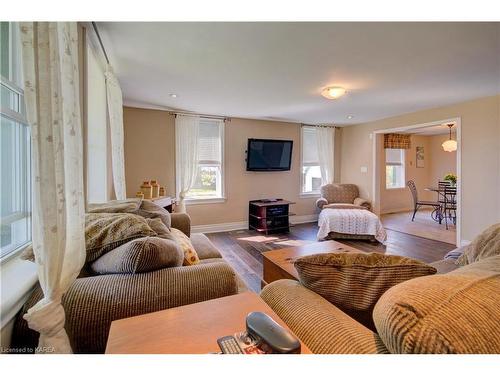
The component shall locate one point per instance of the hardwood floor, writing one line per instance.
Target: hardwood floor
(243, 248)
(422, 226)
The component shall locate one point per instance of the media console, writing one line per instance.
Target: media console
(269, 215)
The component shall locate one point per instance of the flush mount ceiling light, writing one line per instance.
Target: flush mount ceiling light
(350, 117)
(173, 95)
(450, 145)
(333, 92)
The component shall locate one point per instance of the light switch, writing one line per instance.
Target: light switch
(364, 169)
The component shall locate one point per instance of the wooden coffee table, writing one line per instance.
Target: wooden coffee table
(278, 264)
(190, 329)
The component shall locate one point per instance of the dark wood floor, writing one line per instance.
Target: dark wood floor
(243, 248)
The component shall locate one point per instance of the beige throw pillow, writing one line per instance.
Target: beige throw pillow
(457, 312)
(190, 255)
(117, 206)
(485, 245)
(106, 231)
(355, 281)
(140, 255)
(150, 210)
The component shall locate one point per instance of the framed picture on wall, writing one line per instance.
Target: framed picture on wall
(420, 157)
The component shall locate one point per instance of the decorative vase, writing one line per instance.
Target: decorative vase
(147, 190)
(155, 189)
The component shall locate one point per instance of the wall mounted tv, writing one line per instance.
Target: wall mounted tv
(267, 155)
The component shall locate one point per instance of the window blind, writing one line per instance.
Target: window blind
(209, 143)
(393, 156)
(309, 147)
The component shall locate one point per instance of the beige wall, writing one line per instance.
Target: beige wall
(396, 200)
(441, 162)
(150, 153)
(149, 148)
(480, 159)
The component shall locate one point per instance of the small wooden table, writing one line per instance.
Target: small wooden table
(278, 264)
(190, 329)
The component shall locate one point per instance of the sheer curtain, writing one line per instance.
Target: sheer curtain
(325, 136)
(50, 67)
(115, 114)
(186, 155)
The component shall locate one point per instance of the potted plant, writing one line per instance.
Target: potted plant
(452, 178)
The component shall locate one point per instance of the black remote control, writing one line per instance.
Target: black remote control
(229, 345)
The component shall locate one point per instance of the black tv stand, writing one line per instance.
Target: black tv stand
(269, 215)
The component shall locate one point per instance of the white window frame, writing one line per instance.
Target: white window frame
(302, 193)
(403, 167)
(19, 117)
(190, 200)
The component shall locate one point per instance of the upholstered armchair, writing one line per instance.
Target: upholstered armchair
(341, 196)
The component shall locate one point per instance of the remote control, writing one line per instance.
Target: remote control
(229, 345)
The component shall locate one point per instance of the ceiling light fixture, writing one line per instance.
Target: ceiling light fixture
(450, 145)
(350, 117)
(173, 95)
(334, 92)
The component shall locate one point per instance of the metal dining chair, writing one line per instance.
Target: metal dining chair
(418, 203)
(449, 205)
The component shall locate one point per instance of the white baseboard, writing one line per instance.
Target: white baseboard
(238, 225)
(465, 242)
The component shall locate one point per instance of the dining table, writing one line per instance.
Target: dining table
(437, 213)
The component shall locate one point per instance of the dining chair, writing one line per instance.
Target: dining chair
(449, 206)
(418, 203)
(443, 184)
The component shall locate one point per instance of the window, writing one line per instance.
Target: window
(310, 171)
(15, 151)
(209, 181)
(394, 168)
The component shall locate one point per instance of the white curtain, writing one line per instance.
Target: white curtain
(186, 146)
(115, 115)
(50, 67)
(325, 136)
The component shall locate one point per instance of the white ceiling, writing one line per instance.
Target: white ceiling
(277, 70)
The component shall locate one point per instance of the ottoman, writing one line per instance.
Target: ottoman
(344, 223)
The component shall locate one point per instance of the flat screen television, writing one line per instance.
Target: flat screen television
(267, 155)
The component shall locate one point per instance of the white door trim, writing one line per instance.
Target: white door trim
(376, 173)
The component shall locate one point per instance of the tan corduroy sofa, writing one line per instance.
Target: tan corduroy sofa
(92, 303)
(455, 312)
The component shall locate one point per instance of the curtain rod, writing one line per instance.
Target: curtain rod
(321, 126)
(100, 41)
(201, 115)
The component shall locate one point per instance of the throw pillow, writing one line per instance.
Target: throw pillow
(355, 281)
(138, 206)
(161, 229)
(455, 253)
(190, 255)
(483, 246)
(117, 206)
(105, 231)
(150, 210)
(457, 312)
(140, 255)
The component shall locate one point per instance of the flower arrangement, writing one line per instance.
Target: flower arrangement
(451, 177)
